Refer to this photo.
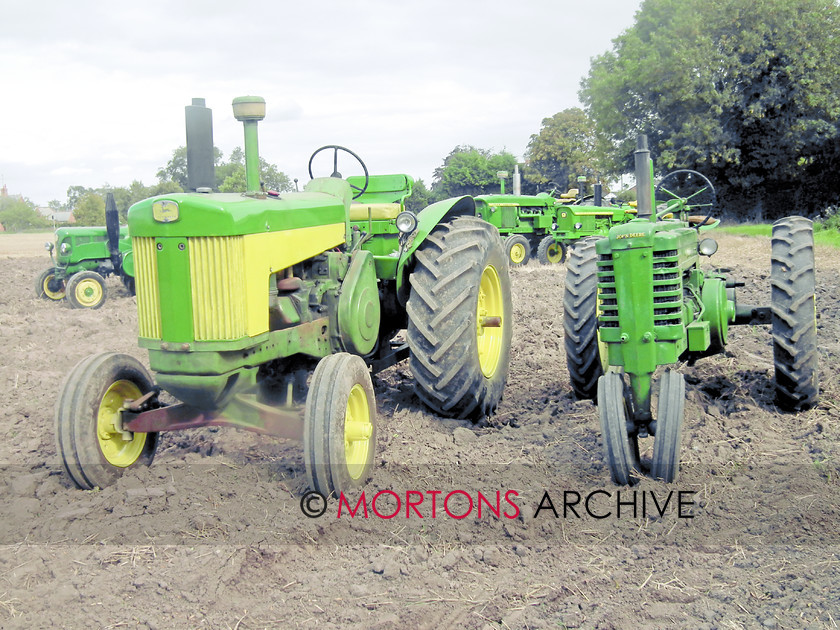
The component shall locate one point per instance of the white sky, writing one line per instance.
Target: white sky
(93, 91)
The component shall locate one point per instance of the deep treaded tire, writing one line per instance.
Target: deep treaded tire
(793, 282)
(580, 319)
(460, 282)
(620, 448)
(550, 252)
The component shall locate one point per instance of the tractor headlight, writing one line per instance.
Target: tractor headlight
(406, 222)
(49, 246)
(707, 246)
(64, 249)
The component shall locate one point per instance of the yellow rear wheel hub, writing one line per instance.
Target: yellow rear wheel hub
(490, 309)
(120, 448)
(358, 430)
(88, 292)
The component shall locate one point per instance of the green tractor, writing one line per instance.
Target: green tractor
(240, 296)
(638, 299)
(544, 225)
(83, 257)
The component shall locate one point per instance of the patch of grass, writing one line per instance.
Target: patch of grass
(822, 235)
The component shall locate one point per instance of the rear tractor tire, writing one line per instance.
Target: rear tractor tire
(339, 435)
(518, 250)
(94, 449)
(48, 288)
(793, 305)
(585, 357)
(551, 252)
(86, 289)
(459, 319)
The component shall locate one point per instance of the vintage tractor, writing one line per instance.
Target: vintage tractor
(83, 257)
(638, 299)
(545, 225)
(239, 296)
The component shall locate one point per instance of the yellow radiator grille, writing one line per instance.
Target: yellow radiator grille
(216, 276)
(146, 284)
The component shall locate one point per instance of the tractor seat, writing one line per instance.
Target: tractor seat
(383, 198)
(695, 219)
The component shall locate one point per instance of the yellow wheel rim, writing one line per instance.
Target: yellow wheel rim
(88, 292)
(517, 253)
(120, 448)
(490, 311)
(554, 253)
(53, 295)
(357, 432)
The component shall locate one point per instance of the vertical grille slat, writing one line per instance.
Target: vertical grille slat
(217, 273)
(146, 283)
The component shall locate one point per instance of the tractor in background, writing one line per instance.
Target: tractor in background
(267, 311)
(638, 300)
(545, 225)
(83, 257)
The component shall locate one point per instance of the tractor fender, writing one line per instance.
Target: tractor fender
(427, 220)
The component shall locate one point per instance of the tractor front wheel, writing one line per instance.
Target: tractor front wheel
(339, 435)
(48, 287)
(794, 315)
(621, 446)
(94, 448)
(669, 419)
(518, 250)
(550, 252)
(459, 319)
(585, 356)
(86, 289)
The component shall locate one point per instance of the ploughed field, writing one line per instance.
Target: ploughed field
(212, 534)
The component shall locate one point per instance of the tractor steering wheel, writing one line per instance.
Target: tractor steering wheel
(335, 172)
(690, 190)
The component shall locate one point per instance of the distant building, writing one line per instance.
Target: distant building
(56, 216)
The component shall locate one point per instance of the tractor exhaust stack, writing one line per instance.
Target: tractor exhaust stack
(644, 179)
(201, 170)
(250, 110)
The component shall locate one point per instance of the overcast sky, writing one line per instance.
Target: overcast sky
(93, 92)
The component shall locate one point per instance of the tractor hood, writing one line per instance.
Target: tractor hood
(219, 214)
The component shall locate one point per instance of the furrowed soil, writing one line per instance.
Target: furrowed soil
(212, 535)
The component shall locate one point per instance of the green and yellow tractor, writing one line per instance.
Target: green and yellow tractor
(83, 257)
(240, 296)
(544, 226)
(639, 300)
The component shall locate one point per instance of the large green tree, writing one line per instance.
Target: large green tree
(564, 149)
(18, 214)
(90, 210)
(745, 91)
(471, 171)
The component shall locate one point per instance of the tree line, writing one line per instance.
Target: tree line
(745, 91)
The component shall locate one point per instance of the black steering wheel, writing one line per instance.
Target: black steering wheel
(692, 190)
(336, 148)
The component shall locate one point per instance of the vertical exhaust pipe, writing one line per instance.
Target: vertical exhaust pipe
(644, 179)
(249, 110)
(201, 170)
(112, 226)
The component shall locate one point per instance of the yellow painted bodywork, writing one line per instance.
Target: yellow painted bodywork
(146, 286)
(378, 211)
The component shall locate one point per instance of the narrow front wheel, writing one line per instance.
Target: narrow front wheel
(94, 447)
(621, 445)
(339, 437)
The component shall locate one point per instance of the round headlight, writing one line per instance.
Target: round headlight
(406, 222)
(707, 246)
(49, 246)
(65, 248)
